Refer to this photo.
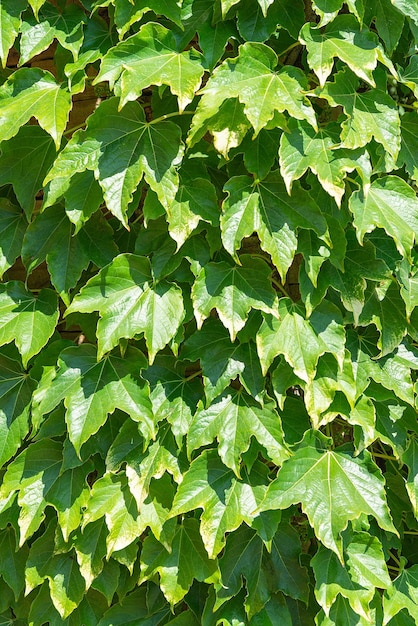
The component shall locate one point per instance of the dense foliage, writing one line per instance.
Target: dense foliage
(208, 411)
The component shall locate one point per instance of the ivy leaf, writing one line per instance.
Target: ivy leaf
(389, 203)
(267, 209)
(402, 595)
(255, 24)
(130, 303)
(13, 226)
(16, 389)
(213, 39)
(343, 39)
(90, 548)
(328, 9)
(66, 26)
(387, 311)
(222, 361)
(365, 570)
(150, 58)
(66, 262)
(173, 396)
(69, 495)
(13, 561)
(233, 291)
(371, 114)
(66, 584)
(27, 320)
(225, 501)
(265, 572)
(10, 20)
(175, 568)
(333, 488)
(92, 390)
(25, 160)
(408, 8)
(149, 150)
(299, 340)
(110, 498)
(389, 22)
(32, 474)
(128, 13)
(410, 458)
(409, 145)
(233, 419)
(304, 148)
(32, 92)
(195, 200)
(251, 78)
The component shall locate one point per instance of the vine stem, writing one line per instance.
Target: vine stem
(168, 115)
(194, 375)
(71, 130)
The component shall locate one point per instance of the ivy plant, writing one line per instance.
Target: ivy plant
(209, 312)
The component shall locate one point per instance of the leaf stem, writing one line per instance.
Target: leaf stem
(289, 48)
(168, 115)
(194, 375)
(380, 455)
(71, 130)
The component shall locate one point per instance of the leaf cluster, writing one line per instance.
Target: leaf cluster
(209, 312)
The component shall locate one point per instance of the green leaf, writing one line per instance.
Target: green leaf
(69, 495)
(251, 78)
(267, 209)
(16, 389)
(128, 12)
(387, 311)
(66, 584)
(38, 34)
(389, 22)
(13, 225)
(150, 58)
(94, 389)
(233, 419)
(254, 24)
(233, 291)
(410, 458)
(213, 39)
(13, 561)
(65, 262)
(304, 148)
(33, 474)
(408, 8)
(389, 203)
(144, 149)
(195, 200)
(265, 572)
(333, 488)
(173, 394)
(364, 571)
(26, 319)
(90, 548)
(343, 39)
(10, 20)
(130, 302)
(175, 568)
(299, 340)
(402, 595)
(25, 160)
(371, 114)
(222, 361)
(409, 146)
(32, 92)
(111, 499)
(225, 501)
